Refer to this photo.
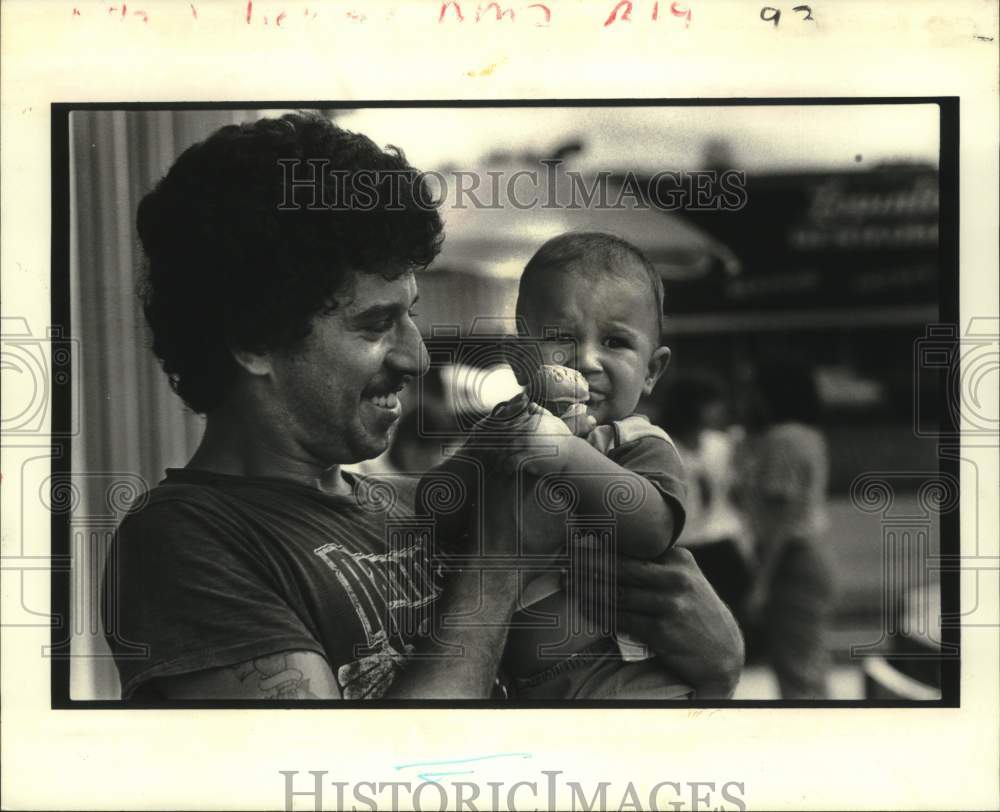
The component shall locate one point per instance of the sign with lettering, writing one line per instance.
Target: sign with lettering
(822, 240)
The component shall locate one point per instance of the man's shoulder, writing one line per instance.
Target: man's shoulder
(179, 491)
(393, 492)
(178, 508)
(173, 497)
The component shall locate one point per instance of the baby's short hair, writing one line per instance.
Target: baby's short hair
(590, 246)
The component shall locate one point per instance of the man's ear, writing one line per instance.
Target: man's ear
(658, 363)
(256, 363)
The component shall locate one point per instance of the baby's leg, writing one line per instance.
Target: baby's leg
(560, 678)
(645, 680)
(598, 673)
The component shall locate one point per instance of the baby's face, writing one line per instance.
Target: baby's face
(605, 326)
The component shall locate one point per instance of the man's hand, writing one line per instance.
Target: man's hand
(535, 440)
(671, 607)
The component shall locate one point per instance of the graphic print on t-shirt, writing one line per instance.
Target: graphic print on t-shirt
(388, 592)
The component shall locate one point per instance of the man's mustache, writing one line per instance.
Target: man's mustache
(388, 386)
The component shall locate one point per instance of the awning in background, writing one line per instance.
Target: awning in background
(472, 286)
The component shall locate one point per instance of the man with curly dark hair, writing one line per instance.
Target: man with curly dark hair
(280, 292)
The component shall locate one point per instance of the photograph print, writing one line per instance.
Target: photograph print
(507, 404)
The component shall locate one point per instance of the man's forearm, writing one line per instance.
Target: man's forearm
(461, 657)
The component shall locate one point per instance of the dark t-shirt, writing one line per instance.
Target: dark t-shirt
(642, 448)
(214, 570)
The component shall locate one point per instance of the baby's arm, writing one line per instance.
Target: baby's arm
(490, 454)
(644, 532)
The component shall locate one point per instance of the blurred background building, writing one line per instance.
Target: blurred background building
(833, 261)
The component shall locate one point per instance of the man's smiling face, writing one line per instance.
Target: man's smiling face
(336, 392)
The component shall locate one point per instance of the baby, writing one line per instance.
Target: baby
(596, 303)
(589, 309)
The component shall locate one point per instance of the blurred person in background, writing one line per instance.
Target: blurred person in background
(696, 413)
(784, 470)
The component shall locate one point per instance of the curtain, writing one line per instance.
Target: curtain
(132, 426)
